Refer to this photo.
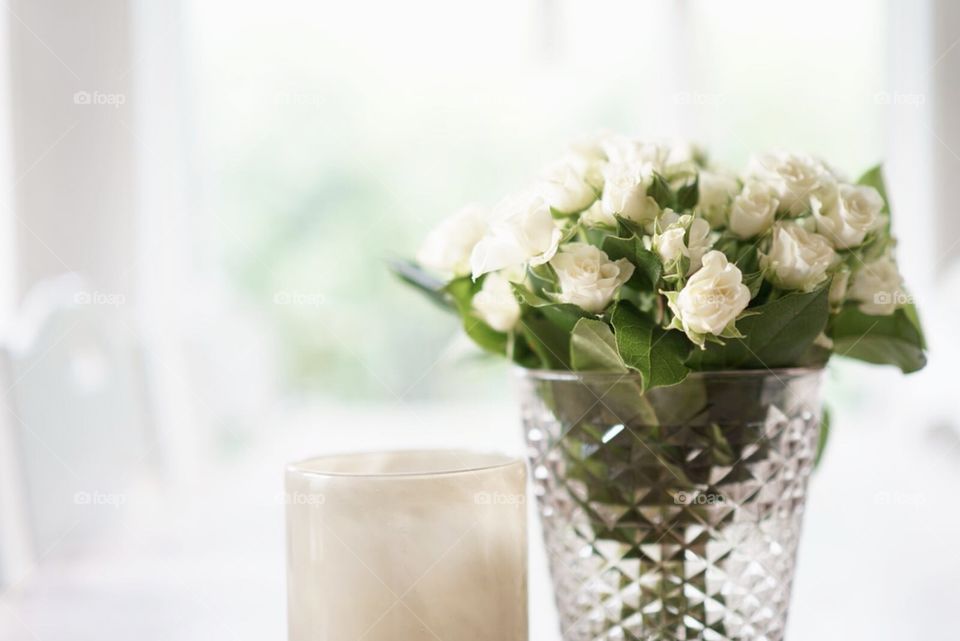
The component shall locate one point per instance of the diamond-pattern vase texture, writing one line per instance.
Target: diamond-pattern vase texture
(674, 513)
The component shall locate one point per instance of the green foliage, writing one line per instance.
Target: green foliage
(685, 198)
(660, 191)
(689, 195)
(462, 290)
(432, 287)
(549, 342)
(873, 177)
(546, 327)
(656, 353)
(639, 331)
(541, 278)
(593, 347)
(883, 340)
(647, 266)
(776, 334)
(824, 435)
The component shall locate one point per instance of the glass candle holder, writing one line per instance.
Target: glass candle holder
(407, 546)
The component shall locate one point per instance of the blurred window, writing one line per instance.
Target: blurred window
(336, 134)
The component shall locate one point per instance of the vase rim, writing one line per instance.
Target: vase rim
(402, 463)
(570, 375)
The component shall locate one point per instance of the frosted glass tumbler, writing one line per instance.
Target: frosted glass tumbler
(407, 546)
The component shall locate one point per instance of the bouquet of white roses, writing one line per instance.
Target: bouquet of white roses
(628, 255)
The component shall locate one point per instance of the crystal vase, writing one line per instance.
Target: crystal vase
(675, 513)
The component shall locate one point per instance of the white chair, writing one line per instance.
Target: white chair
(16, 551)
(76, 431)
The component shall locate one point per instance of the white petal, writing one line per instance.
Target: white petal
(493, 253)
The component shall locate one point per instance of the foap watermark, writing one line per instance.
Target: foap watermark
(100, 499)
(899, 98)
(709, 298)
(298, 99)
(305, 299)
(301, 498)
(100, 98)
(99, 298)
(698, 498)
(499, 498)
(898, 298)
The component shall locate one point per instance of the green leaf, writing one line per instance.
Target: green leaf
(521, 352)
(462, 291)
(593, 347)
(660, 191)
(546, 327)
(646, 276)
(753, 281)
(562, 215)
(527, 297)
(824, 435)
(911, 312)
(542, 278)
(564, 315)
(550, 342)
(883, 340)
(689, 194)
(776, 334)
(658, 354)
(627, 227)
(421, 280)
(747, 259)
(873, 177)
(595, 236)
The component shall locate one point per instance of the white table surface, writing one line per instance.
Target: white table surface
(203, 558)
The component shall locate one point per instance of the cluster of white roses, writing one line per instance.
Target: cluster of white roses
(809, 227)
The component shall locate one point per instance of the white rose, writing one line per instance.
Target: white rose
(670, 245)
(797, 259)
(838, 176)
(666, 218)
(622, 150)
(447, 247)
(595, 216)
(838, 287)
(716, 192)
(495, 303)
(878, 286)
(850, 213)
(625, 191)
(795, 178)
(699, 242)
(753, 210)
(572, 184)
(522, 231)
(588, 278)
(688, 236)
(592, 147)
(684, 152)
(712, 299)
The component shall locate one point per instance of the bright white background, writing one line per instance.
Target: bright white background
(224, 180)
